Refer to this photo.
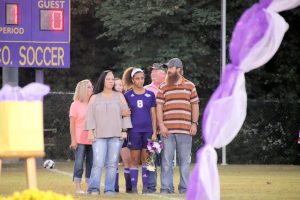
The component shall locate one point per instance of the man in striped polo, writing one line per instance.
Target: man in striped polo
(177, 115)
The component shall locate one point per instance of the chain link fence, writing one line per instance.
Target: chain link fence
(268, 136)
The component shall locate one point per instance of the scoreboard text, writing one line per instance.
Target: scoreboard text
(35, 33)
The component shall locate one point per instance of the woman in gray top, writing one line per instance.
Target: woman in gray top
(106, 128)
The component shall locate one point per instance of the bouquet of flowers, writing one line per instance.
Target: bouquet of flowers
(153, 147)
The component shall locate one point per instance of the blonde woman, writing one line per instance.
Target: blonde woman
(79, 138)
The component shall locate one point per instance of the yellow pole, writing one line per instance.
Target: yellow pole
(31, 173)
(0, 166)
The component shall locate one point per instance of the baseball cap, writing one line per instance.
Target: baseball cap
(135, 70)
(157, 66)
(174, 62)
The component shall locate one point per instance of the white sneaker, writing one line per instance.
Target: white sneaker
(80, 192)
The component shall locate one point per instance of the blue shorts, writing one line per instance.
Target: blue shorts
(138, 140)
(125, 143)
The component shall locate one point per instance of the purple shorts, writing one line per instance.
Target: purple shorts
(138, 140)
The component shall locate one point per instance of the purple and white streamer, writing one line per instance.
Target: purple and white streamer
(256, 38)
(30, 92)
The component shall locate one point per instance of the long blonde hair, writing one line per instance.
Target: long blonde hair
(81, 91)
(127, 79)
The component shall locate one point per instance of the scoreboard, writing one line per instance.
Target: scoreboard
(35, 33)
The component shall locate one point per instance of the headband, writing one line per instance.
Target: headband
(135, 70)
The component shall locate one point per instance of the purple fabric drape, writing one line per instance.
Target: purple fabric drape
(256, 38)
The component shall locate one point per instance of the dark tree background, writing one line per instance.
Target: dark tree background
(115, 34)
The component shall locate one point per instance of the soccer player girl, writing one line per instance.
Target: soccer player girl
(142, 104)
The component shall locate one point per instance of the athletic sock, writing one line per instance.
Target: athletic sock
(145, 176)
(117, 181)
(134, 172)
(127, 179)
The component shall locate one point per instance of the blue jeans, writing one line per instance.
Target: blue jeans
(106, 153)
(152, 179)
(183, 145)
(83, 153)
(152, 176)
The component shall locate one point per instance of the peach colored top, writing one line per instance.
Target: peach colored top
(78, 111)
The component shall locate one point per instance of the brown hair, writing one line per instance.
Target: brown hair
(126, 79)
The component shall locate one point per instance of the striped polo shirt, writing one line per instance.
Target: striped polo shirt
(177, 103)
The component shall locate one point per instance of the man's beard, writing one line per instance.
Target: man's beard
(172, 78)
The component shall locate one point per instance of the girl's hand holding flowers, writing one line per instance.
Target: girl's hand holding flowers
(153, 147)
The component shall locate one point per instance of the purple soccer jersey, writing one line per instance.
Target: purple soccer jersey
(140, 106)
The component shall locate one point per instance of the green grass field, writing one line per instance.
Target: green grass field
(247, 182)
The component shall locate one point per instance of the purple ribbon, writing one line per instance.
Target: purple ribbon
(256, 37)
